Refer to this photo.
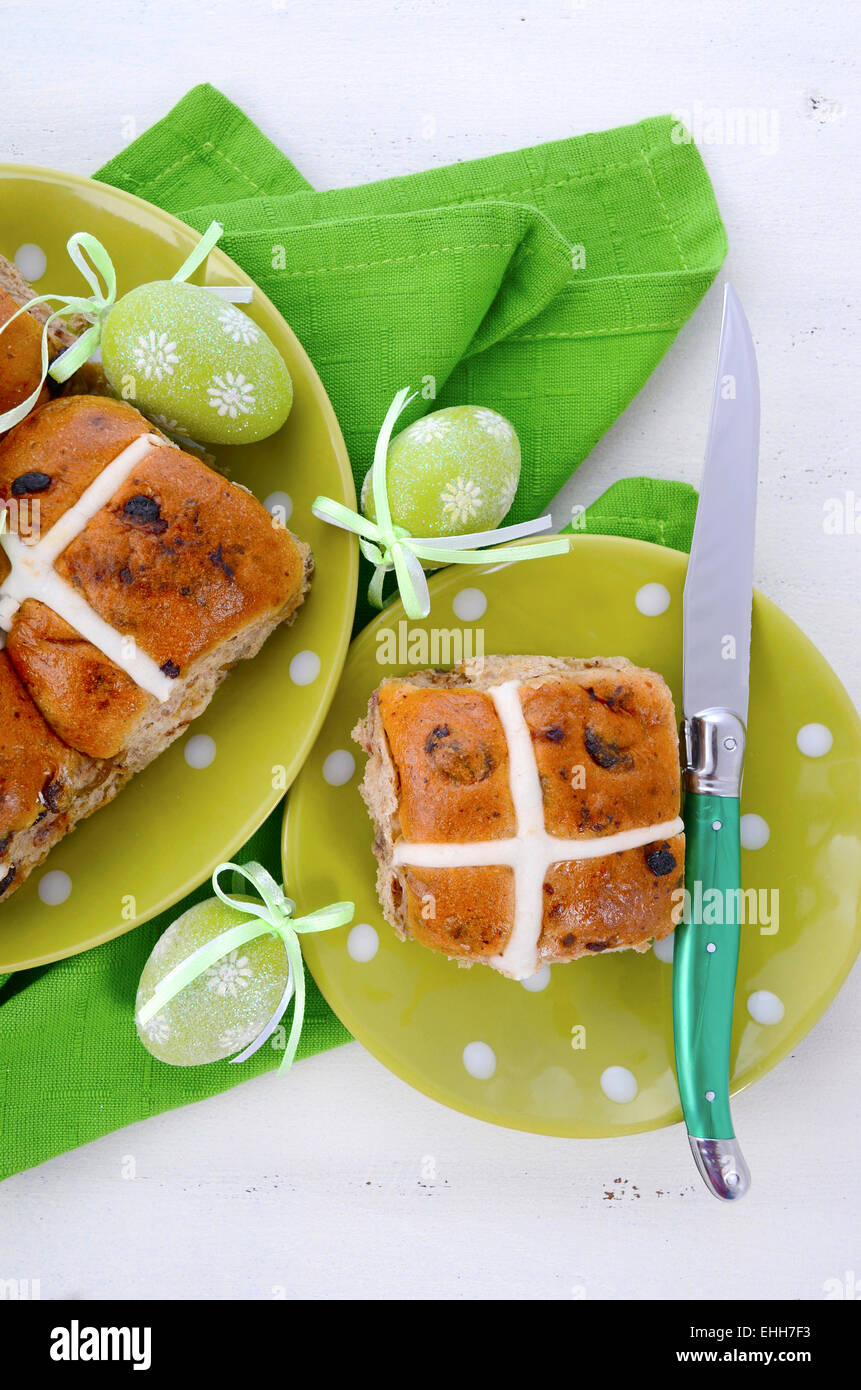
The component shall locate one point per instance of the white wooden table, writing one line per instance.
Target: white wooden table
(319, 1186)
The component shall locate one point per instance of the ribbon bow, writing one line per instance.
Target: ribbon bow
(100, 275)
(390, 547)
(272, 916)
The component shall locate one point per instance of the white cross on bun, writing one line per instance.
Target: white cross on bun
(177, 571)
(526, 808)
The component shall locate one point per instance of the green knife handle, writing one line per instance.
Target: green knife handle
(705, 955)
(705, 961)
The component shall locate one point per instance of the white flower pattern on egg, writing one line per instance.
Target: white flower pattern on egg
(238, 326)
(179, 343)
(169, 426)
(158, 1029)
(461, 499)
(162, 946)
(508, 493)
(230, 975)
(424, 431)
(232, 1039)
(453, 472)
(231, 394)
(155, 355)
(495, 424)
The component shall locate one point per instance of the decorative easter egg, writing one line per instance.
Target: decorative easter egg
(450, 473)
(195, 364)
(226, 1007)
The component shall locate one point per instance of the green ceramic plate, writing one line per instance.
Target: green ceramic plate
(173, 824)
(417, 1011)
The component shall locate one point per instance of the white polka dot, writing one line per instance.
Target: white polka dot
(619, 1084)
(652, 600)
(280, 505)
(31, 261)
(363, 943)
(479, 1060)
(469, 605)
(339, 767)
(754, 831)
(54, 887)
(814, 740)
(664, 949)
(765, 1007)
(540, 980)
(304, 668)
(200, 751)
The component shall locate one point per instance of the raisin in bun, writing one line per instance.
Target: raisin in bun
(526, 809)
(182, 565)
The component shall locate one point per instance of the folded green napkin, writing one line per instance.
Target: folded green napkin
(546, 284)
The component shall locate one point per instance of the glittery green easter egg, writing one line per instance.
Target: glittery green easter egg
(195, 364)
(226, 1007)
(450, 473)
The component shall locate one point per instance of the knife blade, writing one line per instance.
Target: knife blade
(716, 668)
(719, 585)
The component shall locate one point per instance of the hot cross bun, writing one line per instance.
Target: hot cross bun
(181, 574)
(526, 809)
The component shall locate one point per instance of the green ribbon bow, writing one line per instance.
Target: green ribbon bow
(272, 916)
(100, 275)
(390, 547)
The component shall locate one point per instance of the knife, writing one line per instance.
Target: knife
(717, 609)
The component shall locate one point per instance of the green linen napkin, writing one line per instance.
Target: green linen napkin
(546, 283)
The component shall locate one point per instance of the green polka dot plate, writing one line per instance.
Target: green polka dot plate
(199, 802)
(587, 1049)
